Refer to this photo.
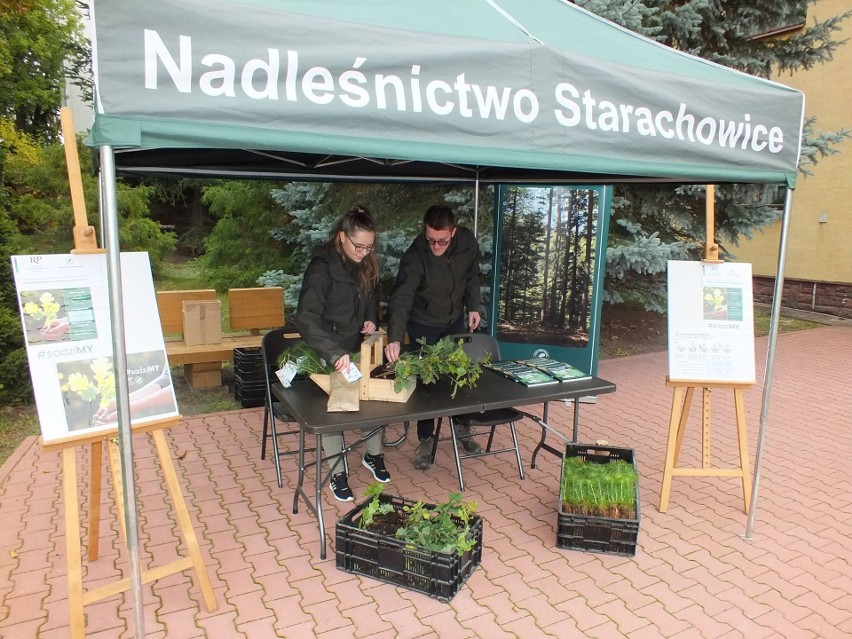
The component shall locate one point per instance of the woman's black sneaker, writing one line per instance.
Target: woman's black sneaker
(340, 487)
(376, 464)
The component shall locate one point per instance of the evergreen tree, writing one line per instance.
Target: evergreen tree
(241, 247)
(41, 42)
(652, 224)
(14, 377)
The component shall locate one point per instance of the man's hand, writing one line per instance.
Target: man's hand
(368, 328)
(392, 352)
(473, 320)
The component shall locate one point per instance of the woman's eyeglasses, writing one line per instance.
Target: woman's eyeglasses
(362, 248)
(432, 242)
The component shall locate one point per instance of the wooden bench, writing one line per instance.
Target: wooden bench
(251, 310)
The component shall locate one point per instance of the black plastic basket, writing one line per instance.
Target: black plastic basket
(248, 360)
(437, 574)
(249, 382)
(250, 396)
(598, 534)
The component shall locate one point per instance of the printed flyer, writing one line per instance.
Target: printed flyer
(64, 307)
(711, 322)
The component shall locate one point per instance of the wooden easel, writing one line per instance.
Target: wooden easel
(681, 405)
(77, 596)
(85, 242)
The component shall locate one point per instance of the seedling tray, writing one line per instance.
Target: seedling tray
(437, 574)
(598, 534)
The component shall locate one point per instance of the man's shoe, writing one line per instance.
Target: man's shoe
(469, 443)
(423, 456)
(376, 464)
(340, 487)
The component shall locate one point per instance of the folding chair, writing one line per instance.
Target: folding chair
(477, 346)
(274, 343)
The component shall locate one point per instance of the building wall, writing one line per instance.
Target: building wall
(819, 245)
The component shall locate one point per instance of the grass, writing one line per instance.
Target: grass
(785, 324)
(186, 275)
(16, 424)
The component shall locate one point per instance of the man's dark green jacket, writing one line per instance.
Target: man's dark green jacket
(435, 291)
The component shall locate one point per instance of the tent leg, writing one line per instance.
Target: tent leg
(122, 394)
(770, 358)
(476, 204)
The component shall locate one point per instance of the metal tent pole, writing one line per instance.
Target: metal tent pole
(119, 350)
(770, 358)
(476, 204)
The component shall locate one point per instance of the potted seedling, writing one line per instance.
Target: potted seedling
(598, 500)
(445, 358)
(431, 548)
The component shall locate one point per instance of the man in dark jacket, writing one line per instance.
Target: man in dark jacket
(438, 281)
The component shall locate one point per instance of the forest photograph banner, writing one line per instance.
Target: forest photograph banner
(65, 314)
(216, 62)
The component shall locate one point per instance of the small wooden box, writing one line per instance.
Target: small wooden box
(372, 357)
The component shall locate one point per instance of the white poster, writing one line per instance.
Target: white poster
(711, 322)
(64, 307)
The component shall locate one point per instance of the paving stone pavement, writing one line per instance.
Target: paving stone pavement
(693, 576)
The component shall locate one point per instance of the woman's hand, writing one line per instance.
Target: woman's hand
(368, 328)
(342, 364)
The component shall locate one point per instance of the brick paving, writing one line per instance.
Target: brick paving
(693, 574)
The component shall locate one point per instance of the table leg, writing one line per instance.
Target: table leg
(576, 436)
(455, 451)
(301, 479)
(318, 497)
(544, 428)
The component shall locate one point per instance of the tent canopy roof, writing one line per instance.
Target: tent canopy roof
(499, 90)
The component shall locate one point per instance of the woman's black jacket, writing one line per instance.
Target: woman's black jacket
(332, 307)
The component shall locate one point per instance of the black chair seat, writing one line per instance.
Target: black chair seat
(478, 346)
(280, 413)
(489, 417)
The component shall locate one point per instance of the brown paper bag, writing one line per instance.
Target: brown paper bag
(343, 397)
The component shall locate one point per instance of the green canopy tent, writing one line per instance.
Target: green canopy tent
(515, 90)
(523, 91)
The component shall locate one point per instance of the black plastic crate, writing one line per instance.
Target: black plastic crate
(250, 377)
(249, 382)
(248, 360)
(598, 534)
(250, 399)
(437, 574)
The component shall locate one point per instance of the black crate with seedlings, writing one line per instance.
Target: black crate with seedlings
(429, 548)
(598, 500)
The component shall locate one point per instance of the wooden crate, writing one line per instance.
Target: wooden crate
(372, 356)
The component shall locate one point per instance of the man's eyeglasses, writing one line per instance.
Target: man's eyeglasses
(362, 248)
(433, 242)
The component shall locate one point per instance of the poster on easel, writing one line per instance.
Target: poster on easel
(64, 305)
(710, 322)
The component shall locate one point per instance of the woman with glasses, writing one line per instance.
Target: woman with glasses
(338, 306)
(436, 293)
